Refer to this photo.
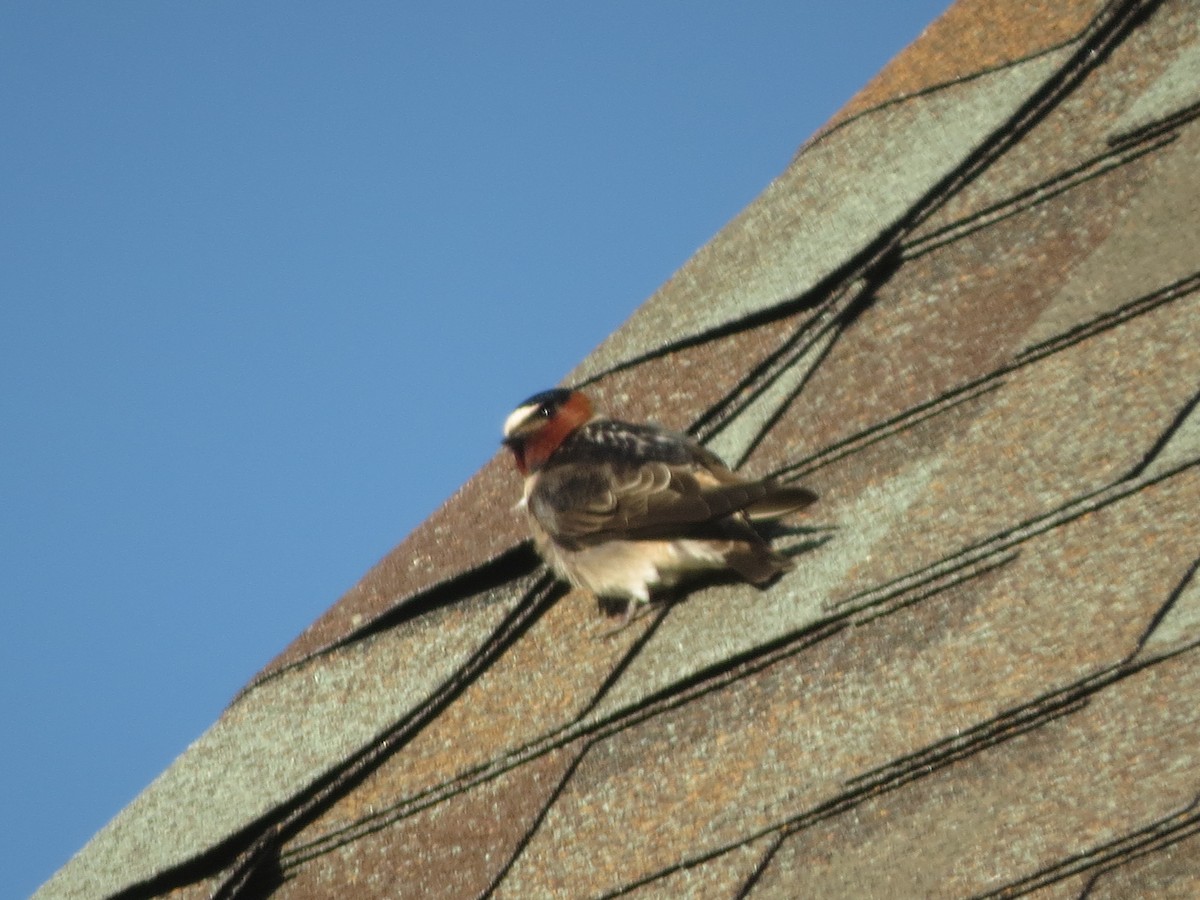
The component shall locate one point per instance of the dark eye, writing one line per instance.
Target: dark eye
(544, 412)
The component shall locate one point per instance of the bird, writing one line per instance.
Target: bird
(622, 509)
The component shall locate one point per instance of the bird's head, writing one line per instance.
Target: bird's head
(535, 429)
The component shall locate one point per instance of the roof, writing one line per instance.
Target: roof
(966, 315)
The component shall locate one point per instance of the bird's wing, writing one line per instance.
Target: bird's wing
(582, 504)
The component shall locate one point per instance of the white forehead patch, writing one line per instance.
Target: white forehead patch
(519, 417)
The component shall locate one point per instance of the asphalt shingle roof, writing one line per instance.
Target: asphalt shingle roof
(967, 316)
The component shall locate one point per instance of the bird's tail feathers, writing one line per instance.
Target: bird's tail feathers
(780, 500)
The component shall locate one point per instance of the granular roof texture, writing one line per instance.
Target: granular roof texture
(967, 316)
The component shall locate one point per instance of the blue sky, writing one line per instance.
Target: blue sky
(273, 274)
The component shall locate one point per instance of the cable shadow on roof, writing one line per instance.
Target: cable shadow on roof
(1104, 858)
(517, 562)
(256, 849)
(1050, 707)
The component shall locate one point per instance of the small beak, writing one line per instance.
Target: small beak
(517, 446)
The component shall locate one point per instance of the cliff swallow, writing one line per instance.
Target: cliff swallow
(619, 509)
